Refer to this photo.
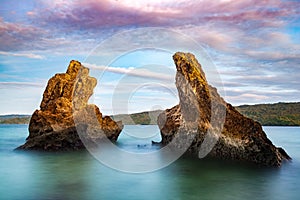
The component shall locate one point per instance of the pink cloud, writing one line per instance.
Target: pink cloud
(14, 36)
(225, 25)
(99, 14)
(30, 13)
(93, 14)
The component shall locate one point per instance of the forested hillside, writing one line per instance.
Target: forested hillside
(278, 114)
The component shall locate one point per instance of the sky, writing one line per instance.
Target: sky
(253, 46)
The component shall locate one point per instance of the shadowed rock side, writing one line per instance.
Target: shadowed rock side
(236, 136)
(65, 100)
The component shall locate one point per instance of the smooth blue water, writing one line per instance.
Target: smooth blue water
(77, 175)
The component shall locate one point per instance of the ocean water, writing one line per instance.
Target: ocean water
(78, 175)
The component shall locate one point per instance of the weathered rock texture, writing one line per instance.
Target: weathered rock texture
(236, 136)
(64, 111)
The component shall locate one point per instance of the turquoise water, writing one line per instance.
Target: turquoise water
(77, 175)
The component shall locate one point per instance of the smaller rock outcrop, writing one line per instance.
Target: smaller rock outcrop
(207, 123)
(64, 111)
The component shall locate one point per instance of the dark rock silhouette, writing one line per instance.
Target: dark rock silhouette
(64, 110)
(210, 124)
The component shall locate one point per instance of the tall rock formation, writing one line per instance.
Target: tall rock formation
(64, 111)
(210, 125)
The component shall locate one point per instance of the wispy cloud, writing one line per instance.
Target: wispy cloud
(136, 72)
(17, 36)
(166, 12)
(228, 26)
(239, 96)
(27, 55)
(20, 84)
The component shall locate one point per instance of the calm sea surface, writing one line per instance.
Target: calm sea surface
(78, 175)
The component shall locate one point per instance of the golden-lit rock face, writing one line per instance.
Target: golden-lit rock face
(65, 101)
(239, 138)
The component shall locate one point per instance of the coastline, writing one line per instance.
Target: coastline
(282, 114)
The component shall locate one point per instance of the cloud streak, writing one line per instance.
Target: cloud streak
(135, 72)
(20, 84)
(27, 55)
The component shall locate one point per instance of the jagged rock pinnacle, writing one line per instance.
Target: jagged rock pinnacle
(200, 106)
(65, 105)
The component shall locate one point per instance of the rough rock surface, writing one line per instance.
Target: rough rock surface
(64, 110)
(233, 137)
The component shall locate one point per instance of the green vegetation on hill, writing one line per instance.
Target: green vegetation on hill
(278, 114)
(138, 118)
(14, 119)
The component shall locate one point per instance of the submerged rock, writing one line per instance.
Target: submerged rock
(64, 111)
(209, 125)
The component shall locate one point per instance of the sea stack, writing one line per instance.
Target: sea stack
(64, 111)
(233, 137)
